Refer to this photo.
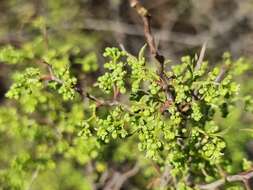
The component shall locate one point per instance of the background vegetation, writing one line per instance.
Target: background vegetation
(44, 143)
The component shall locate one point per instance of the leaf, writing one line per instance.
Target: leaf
(142, 52)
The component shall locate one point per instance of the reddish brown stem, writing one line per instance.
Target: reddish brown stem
(146, 18)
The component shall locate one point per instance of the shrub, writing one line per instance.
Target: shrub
(160, 122)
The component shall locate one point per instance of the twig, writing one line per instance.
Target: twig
(130, 173)
(146, 18)
(198, 66)
(110, 103)
(165, 178)
(99, 102)
(118, 179)
(103, 178)
(222, 74)
(34, 176)
(51, 72)
(201, 57)
(243, 177)
(90, 170)
(116, 93)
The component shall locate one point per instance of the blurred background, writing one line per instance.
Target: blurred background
(180, 28)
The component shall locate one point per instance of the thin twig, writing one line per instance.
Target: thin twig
(90, 170)
(241, 177)
(99, 102)
(165, 178)
(201, 57)
(146, 18)
(125, 176)
(222, 74)
(34, 176)
(118, 179)
(103, 178)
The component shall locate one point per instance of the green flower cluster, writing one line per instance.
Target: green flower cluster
(180, 132)
(11, 55)
(172, 119)
(27, 89)
(116, 76)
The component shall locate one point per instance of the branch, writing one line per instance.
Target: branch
(198, 66)
(130, 173)
(99, 102)
(110, 103)
(201, 57)
(146, 18)
(241, 177)
(90, 170)
(118, 179)
(34, 176)
(222, 74)
(165, 178)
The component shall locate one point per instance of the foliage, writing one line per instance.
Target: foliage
(181, 133)
(66, 131)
